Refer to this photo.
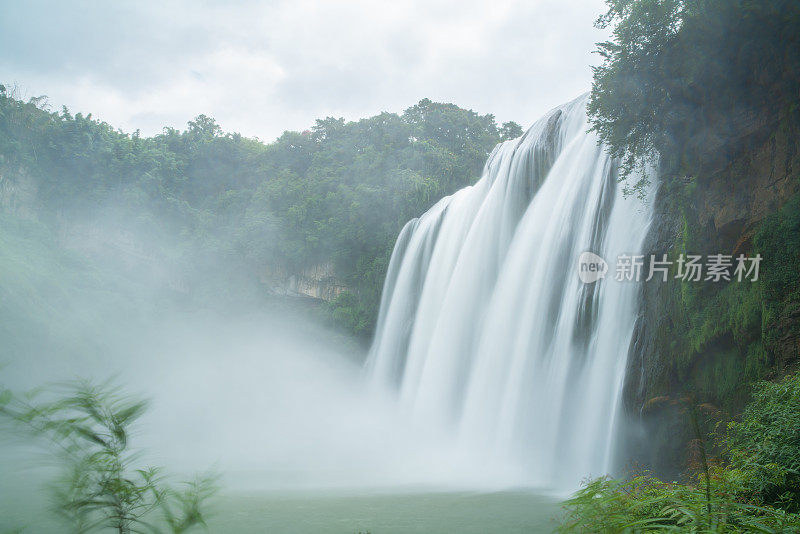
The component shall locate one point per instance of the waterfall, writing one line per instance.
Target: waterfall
(485, 329)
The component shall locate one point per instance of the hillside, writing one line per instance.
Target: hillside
(210, 213)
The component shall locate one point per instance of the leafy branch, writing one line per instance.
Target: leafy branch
(89, 428)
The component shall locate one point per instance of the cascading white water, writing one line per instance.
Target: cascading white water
(485, 328)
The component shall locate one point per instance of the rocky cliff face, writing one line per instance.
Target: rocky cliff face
(318, 281)
(736, 199)
(18, 192)
(712, 339)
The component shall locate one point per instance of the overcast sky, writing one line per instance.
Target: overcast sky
(262, 67)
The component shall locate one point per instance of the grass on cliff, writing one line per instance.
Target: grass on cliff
(721, 336)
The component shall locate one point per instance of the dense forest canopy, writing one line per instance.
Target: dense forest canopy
(335, 194)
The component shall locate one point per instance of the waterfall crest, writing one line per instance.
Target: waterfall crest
(485, 329)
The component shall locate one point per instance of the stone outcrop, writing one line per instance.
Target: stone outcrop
(18, 192)
(318, 281)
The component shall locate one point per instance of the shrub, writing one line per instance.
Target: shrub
(765, 444)
(758, 490)
(646, 504)
(100, 488)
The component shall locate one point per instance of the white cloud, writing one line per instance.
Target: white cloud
(262, 67)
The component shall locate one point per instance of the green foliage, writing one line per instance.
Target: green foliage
(88, 428)
(350, 314)
(721, 336)
(757, 490)
(688, 80)
(510, 130)
(337, 194)
(624, 107)
(765, 444)
(646, 504)
(778, 242)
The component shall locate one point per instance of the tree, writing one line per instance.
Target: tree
(510, 130)
(630, 88)
(338, 193)
(692, 82)
(204, 126)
